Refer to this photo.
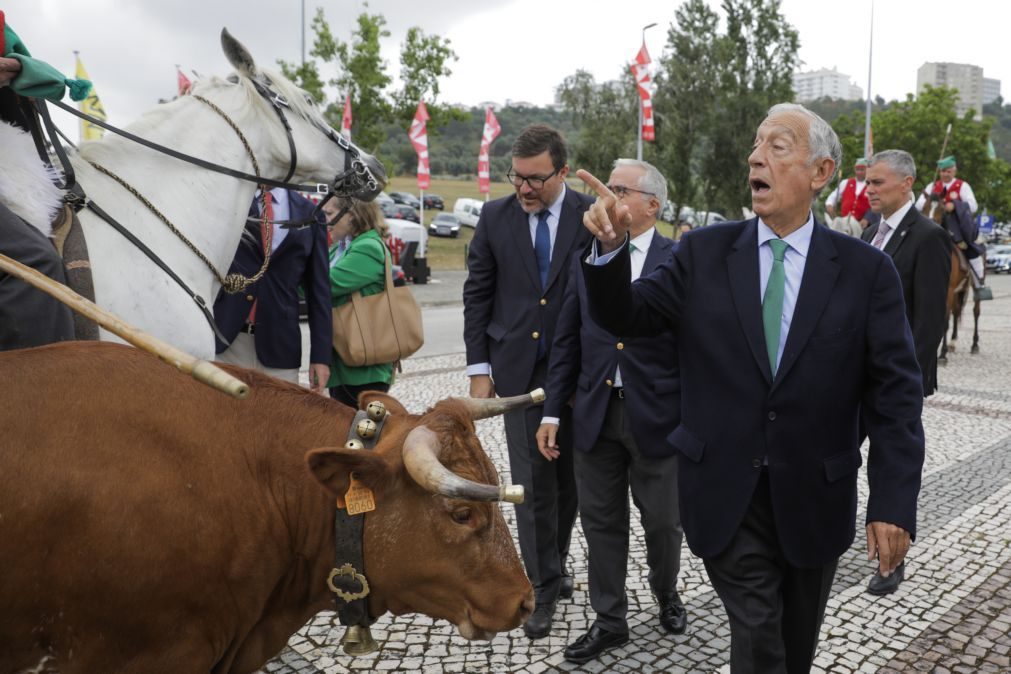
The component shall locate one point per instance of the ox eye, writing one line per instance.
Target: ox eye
(461, 516)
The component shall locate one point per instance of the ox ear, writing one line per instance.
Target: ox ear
(237, 55)
(393, 405)
(332, 468)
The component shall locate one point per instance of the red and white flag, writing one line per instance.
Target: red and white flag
(183, 82)
(346, 118)
(640, 69)
(419, 139)
(491, 132)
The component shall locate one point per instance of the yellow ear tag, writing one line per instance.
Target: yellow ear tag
(359, 498)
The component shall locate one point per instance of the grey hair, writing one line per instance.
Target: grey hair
(651, 180)
(822, 140)
(899, 161)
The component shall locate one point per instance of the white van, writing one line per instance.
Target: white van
(468, 210)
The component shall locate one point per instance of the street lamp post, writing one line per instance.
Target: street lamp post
(638, 145)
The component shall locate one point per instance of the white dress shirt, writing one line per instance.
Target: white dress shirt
(965, 194)
(893, 221)
(837, 192)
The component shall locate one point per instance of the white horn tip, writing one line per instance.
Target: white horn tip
(512, 493)
(538, 395)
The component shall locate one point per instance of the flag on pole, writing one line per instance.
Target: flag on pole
(346, 118)
(182, 81)
(640, 69)
(90, 106)
(419, 139)
(491, 132)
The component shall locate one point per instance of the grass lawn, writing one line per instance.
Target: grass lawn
(447, 253)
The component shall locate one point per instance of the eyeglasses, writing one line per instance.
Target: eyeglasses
(534, 182)
(621, 191)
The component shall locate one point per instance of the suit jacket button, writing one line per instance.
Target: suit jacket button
(535, 334)
(609, 382)
(619, 346)
(772, 416)
(544, 302)
(249, 298)
(756, 463)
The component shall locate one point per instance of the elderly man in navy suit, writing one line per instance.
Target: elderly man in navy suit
(626, 398)
(261, 322)
(788, 334)
(519, 268)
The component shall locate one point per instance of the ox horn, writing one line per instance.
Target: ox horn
(421, 459)
(482, 408)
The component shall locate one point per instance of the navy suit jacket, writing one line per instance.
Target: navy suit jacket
(583, 361)
(301, 259)
(505, 310)
(849, 351)
(921, 252)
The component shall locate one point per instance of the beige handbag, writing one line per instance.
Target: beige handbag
(380, 328)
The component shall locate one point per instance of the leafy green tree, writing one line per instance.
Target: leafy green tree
(424, 60)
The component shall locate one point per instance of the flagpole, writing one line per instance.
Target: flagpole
(638, 144)
(303, 33)
(867, 114)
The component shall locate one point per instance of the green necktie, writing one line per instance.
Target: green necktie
(772, 303)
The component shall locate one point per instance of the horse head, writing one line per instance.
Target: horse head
(337, 163)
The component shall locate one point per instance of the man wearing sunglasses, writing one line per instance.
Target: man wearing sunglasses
(519, 268)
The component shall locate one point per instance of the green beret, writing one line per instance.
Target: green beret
(861, 162)
(946, 163)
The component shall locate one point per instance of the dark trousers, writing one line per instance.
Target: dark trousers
(775, 609)
(29, 317)
(545, 518)
(348, 394)
(604, 474)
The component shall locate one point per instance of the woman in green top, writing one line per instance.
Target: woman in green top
(360, 267)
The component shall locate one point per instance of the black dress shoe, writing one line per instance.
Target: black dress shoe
(565, 587)
(673, 616)
(881, 586)
(593, 643)
(539, 623)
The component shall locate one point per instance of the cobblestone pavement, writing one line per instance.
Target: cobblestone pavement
(951, 614)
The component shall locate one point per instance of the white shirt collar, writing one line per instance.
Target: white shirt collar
(644, 240)
(895, 218)
(799, 240)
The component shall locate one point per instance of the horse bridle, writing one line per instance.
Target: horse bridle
(356, 181)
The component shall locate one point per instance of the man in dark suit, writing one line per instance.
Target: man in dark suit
(519, 268)
(261, 322)
(623, 391)
(921, 252)
(787, 334)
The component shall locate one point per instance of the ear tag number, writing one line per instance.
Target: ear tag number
(359, 498)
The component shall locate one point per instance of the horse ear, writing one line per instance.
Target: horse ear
(237, 55)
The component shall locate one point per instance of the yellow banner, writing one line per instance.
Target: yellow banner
(90, 106)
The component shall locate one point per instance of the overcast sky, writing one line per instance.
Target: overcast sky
(509, 49)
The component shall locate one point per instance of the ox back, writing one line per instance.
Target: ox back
(150, 524)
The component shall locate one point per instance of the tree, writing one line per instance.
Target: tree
(606, 115)
(423, 60)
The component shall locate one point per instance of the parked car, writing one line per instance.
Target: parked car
(400, 212)
(434, 201)
(405, 198)
(445, 224)
(468, 210)
(998, 258)
(384, 198)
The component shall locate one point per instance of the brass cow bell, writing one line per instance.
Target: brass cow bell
(366, 429)
(354, 443)
(357, 640)
(376, 411)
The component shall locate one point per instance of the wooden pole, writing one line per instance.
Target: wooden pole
(201, 370)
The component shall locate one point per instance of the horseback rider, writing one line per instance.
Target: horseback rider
(29, 198)
(853, 206)
(953, 205)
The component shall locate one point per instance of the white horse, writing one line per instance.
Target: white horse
(208, 208)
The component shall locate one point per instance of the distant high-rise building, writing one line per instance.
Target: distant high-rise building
(816, 84)
(967, 79)
(991, 90)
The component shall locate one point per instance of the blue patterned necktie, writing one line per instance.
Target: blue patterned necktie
(772, 303)
(542, 247)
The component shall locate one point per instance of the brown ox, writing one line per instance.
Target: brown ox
(150, 524)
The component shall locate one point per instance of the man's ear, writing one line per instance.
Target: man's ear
(824, 169)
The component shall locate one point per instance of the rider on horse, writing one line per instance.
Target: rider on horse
(955, 204)
(853, 206)
(29, 197)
